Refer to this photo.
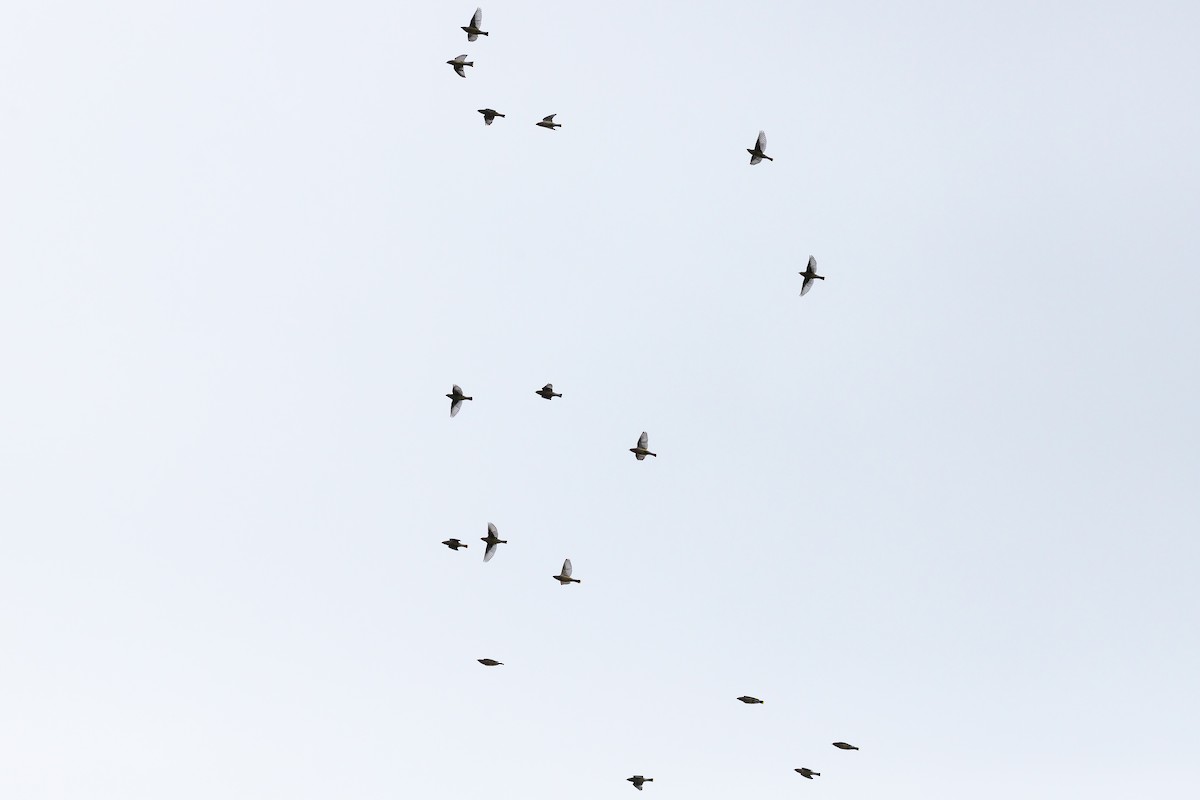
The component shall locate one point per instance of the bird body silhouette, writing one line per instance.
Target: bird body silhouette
(844, 746)
(548, 392)
(748, 700)
(490, 662)
(456, 400)
(810, 275)
(640, 452)
(638, 780)
(474, 29)
(808, 773)
(548, 122)
(458, 62)
(489, 115)
(492, 540)
(564, 578)
(760, 144)
(454, 544)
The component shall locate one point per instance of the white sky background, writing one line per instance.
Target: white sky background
(943, 507)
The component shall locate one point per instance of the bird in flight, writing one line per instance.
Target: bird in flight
(548, 392)
(489, 114)
(757, 154)
(564, 578)
(844, 746)
(490, 662)
(492, 540)
(548, 122)
(640, 452)
(458, 62)
(748, 700)
(456, 399)
(808, 773)
(638, 780)
(810, 275)
(474, 31)
(454, 544)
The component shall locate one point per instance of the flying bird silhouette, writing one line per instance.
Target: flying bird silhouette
(748, 700)
(454, 544)
(844, 746)
(489, 114)
(492, 540)
(640, 452)
(564, 578)
(548, 392)
(638, 780)
(810, 275)
(456, 399)
(757, 154)
(474, 31)
(458, 63)
(548, 122)
(808, 773)
(490, 662)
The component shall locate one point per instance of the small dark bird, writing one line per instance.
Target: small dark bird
(748, 700)
(640, 452)
(456, 399)
(548, 122)
(844, 746)
(808, 773)
(454, 544)
(489, 114)
(757, 154)
(564, 578)
(490, 662)
(492, 540)
(458, 62)
(638, 780)
(548, 392)
(474, 31)
(810, 275)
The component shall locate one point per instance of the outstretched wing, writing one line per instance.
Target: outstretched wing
(549, 118)
(455, 406)
(459, 69)
(492, 530)
(472, 37)
(640, 456)
(463, 57)
(477, 20)
(566, 570)
(549, 387)
(762, 141)
(755, 159)
(487, 119)
(643, 440)
(489, 552)
(812, 263)
(456, 388)
(808, 282)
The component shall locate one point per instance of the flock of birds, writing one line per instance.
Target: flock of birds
(492, 541)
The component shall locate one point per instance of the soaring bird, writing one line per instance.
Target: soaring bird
(810, 275)
(748, 700)
(638, 780)
(564, 578)
(456, 399)
(548, 392)
(844, 746)
(548, 122)
(473, 30)
(808, 773)
(640, 452)
(492, 539)
(489, 114)
(458, 63)
(454, 544)
(490, 662)
(757, 154)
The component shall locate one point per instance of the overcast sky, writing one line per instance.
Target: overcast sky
(943, 507)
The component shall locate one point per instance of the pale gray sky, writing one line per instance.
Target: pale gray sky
(943, 507)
